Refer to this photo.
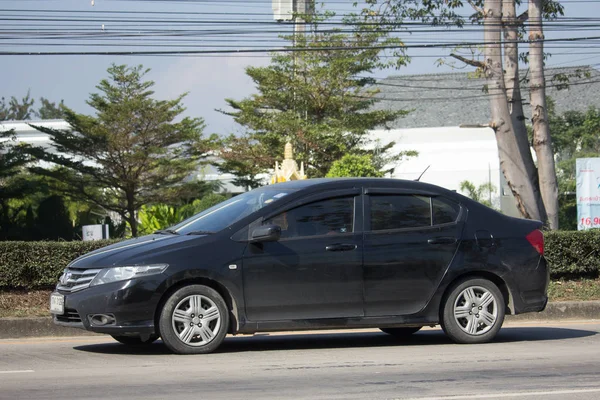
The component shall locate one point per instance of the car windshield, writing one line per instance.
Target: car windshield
(228, 212)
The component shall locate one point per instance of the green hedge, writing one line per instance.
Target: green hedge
(572, 254)
(36, 265)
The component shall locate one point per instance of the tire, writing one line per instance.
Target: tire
(401, 333)
(473, 311)
(135, 341)
(194, 320)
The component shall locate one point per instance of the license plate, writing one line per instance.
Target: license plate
(57, 304)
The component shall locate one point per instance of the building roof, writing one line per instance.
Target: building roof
(454, 99)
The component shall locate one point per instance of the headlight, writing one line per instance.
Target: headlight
(62, 279)
(108, 275)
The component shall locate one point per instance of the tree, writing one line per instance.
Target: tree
(14, 184)
(575, 135)
(53, 221)
(482, 193)
(16, 109)
(22, 110)
(49, 109)
(534, 187)
(352, 165)
(246, 158)
(542, 141)
(4, 112)
(510, 151)
(130, 153)
(318, 97)
(161, 216)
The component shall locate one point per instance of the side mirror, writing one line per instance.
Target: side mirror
(266, 233)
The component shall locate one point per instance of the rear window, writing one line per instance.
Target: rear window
(399, 211)
(410, 211)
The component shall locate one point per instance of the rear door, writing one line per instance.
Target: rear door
(410, 240)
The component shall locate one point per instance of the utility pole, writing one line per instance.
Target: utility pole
(300, 7)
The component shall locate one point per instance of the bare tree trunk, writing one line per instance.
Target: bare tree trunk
(514, 97)
(131, 217)
(511, 159)
(542, 142)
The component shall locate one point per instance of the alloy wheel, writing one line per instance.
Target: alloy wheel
(476, 310)
(196, 320)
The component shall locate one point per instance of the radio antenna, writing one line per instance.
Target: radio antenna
(422, 173)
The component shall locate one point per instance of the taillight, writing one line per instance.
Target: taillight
(536, 238)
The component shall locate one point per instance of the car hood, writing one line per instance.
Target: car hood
(141, 249)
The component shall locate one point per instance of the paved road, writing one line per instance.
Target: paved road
(542, 361)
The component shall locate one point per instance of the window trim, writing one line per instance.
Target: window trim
(357, 217)
(415, 192)
(311, 198)
(367, 212)
(461, 210)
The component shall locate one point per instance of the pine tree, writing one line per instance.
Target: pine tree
(318, 96)
(131, 152)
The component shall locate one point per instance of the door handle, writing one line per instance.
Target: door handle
(442, 240)
(341, 247)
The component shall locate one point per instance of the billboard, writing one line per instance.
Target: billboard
(588, 193)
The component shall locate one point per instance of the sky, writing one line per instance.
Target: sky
(209, 79)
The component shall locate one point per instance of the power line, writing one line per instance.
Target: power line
(301, 49)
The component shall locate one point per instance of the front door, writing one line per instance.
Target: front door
(409, 243)
(314, 271)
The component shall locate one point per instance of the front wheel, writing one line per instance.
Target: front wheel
(194, 320)
(473, 311)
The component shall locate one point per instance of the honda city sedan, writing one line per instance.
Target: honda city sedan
(313, 254)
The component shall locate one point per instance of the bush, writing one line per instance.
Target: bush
(351, 166)
(573, 254)
(162, 216)
(37, 265)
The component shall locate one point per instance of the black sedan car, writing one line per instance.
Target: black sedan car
(314, 254)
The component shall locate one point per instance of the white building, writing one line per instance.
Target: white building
(448, 156)
(23, 132)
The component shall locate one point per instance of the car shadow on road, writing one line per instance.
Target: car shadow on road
(299, 341)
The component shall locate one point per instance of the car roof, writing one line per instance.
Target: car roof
(332, 183)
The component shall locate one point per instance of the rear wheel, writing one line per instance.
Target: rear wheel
(401, 333)
(473, 311)
(137, 341)
(194, 320)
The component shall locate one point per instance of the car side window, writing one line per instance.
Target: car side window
(444, 211)
(325, 217)
(399, 211)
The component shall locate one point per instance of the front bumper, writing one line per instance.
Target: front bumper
(132, 303)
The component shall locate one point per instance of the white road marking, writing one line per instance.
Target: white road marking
(514, 394)
(17, 372)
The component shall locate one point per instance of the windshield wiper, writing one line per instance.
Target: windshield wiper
(200, 233)
(166, 232)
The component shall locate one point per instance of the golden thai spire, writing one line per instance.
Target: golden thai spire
(288, 171)
(288, 153)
